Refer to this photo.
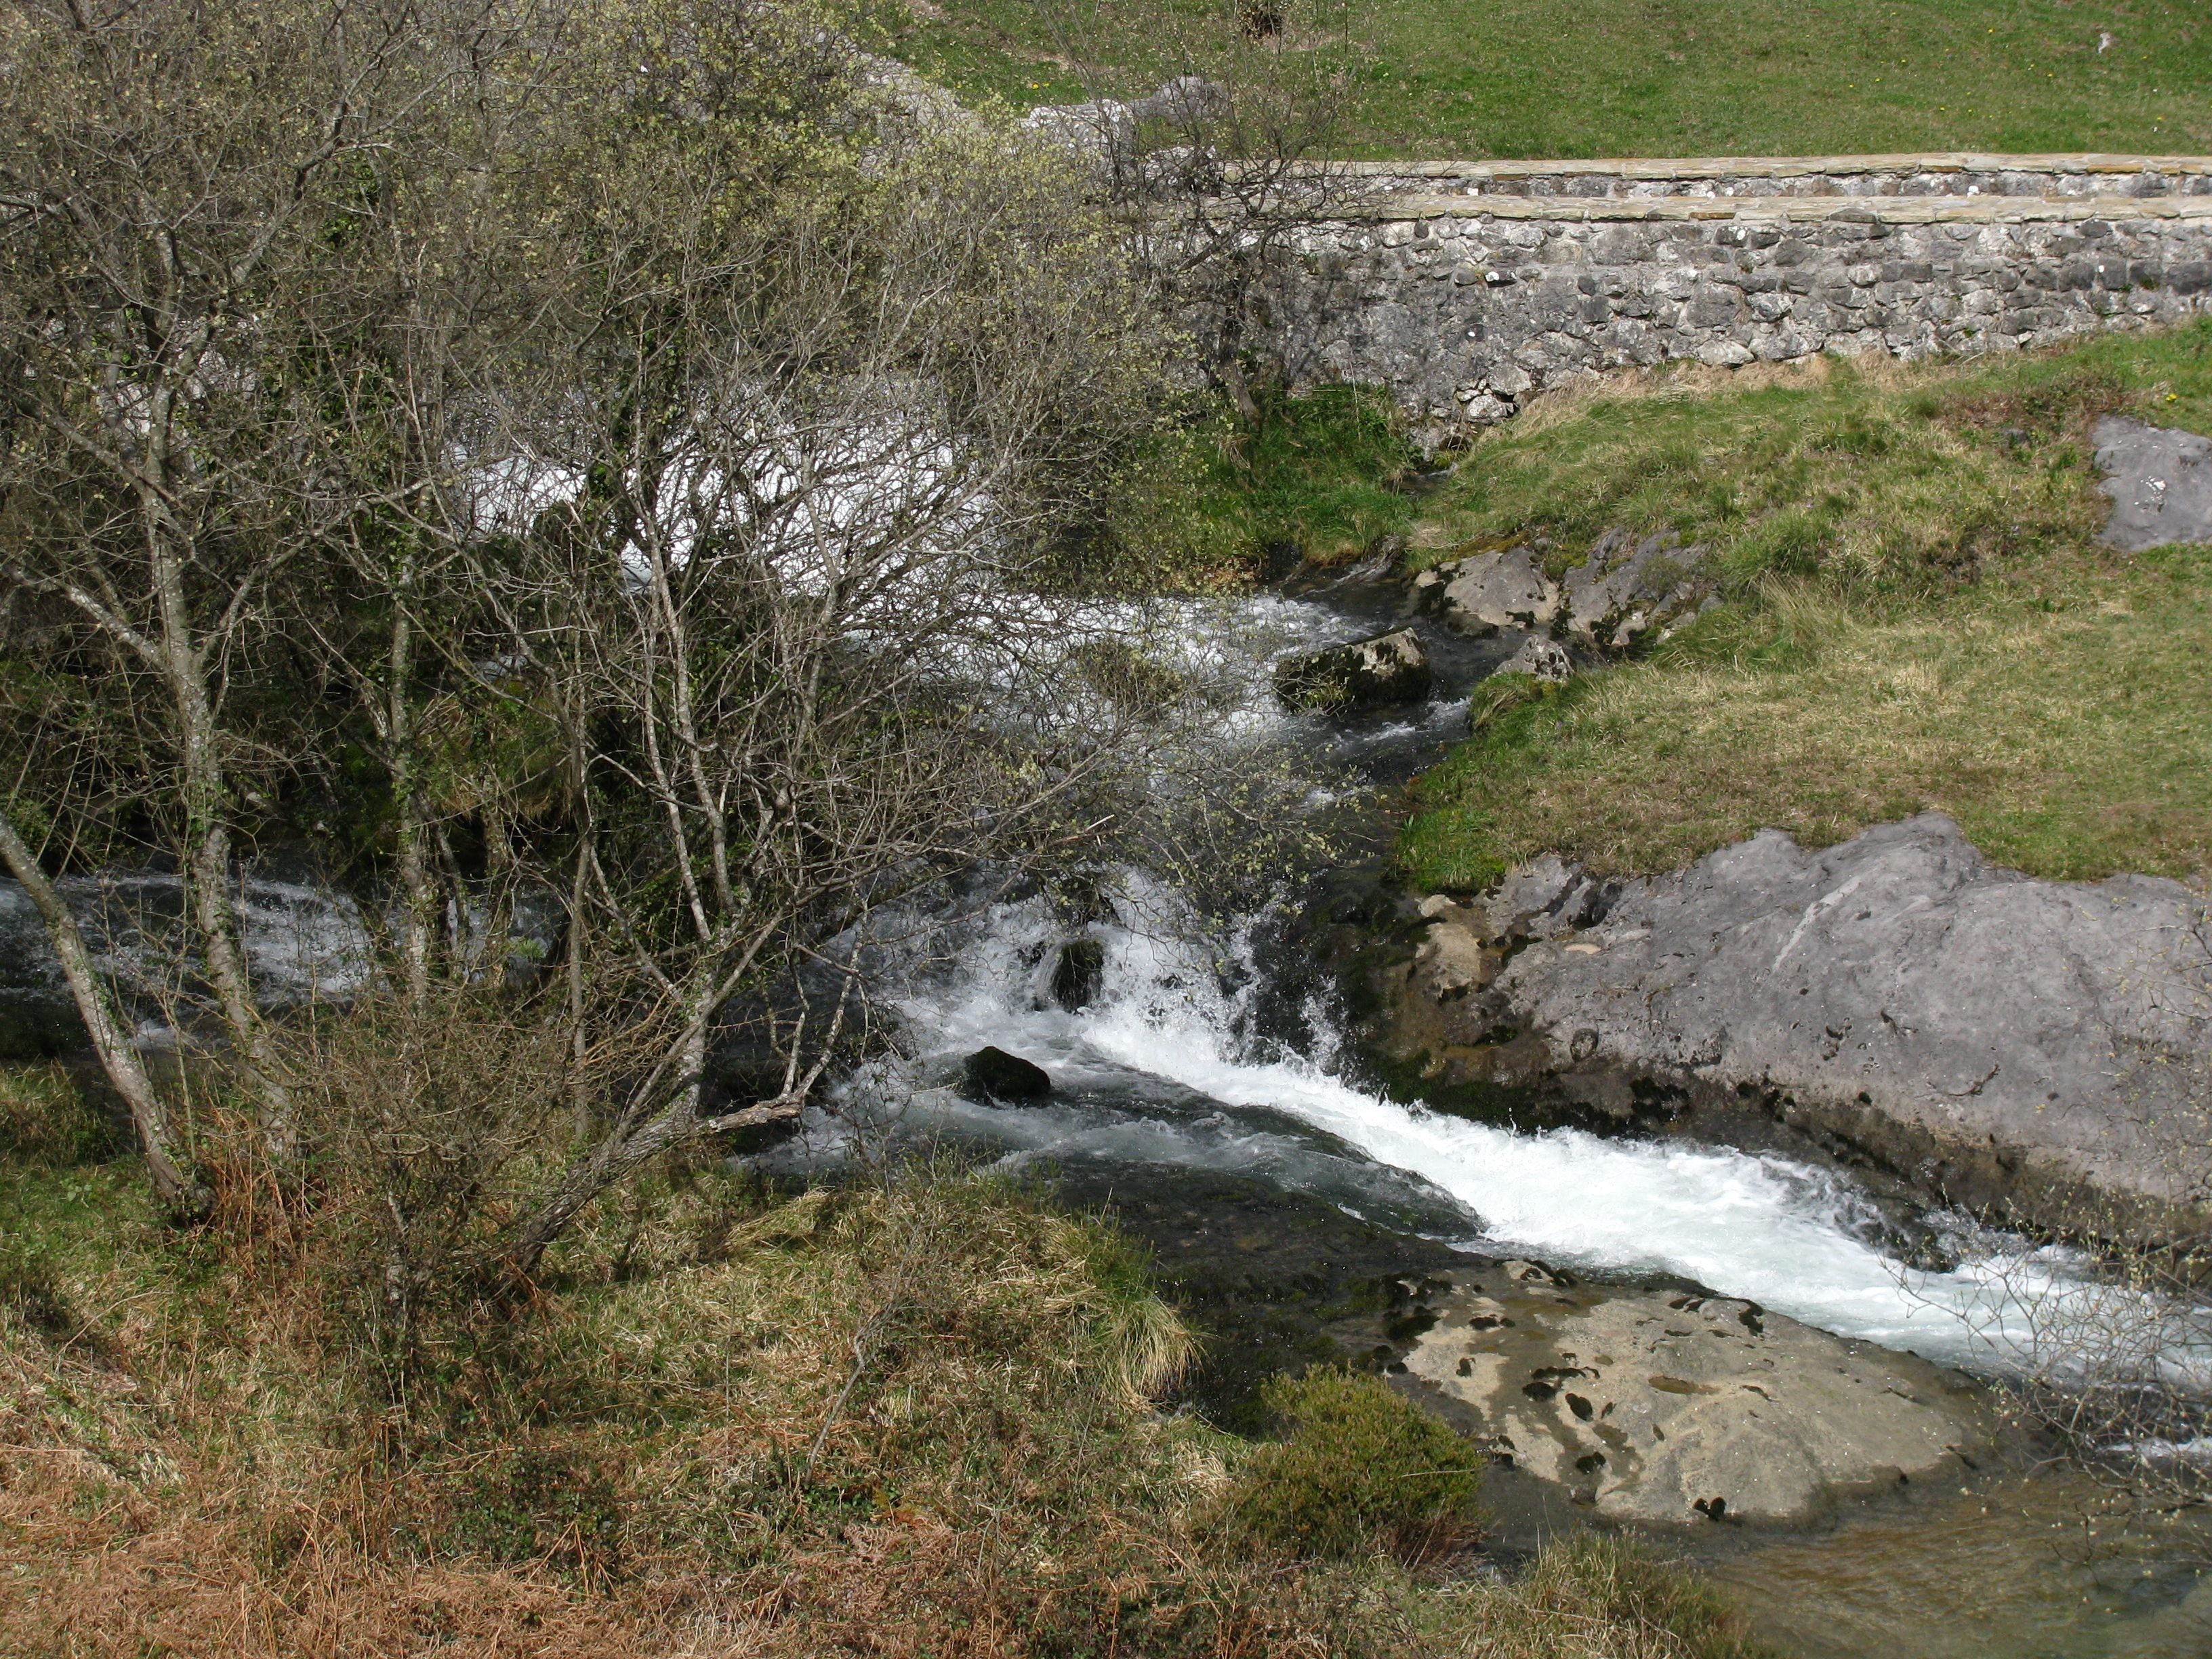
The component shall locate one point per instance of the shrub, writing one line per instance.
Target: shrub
(1363, 1468)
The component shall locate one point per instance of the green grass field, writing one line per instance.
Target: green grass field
(1920, 616)
(1470, 79)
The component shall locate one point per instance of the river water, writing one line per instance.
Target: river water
(1212, 1049)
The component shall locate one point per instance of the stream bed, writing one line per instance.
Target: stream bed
(1204, 1092)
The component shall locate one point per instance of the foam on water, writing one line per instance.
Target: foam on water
(1161, 1069)
(1169, 1067)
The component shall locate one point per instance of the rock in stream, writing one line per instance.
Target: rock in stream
(1992, 1038)
(1673, 1406)
(1370, 673)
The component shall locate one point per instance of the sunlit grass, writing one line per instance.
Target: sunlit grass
(1919, 616)
(1697, 77)
(2062, 724)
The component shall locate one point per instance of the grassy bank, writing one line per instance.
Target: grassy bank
(914, 1419)
(1919, 615)
(1699, 77)
(1320, 478)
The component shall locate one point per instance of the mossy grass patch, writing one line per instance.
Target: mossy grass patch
(1360, 1469)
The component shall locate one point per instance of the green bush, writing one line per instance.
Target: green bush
(1361, 1469)
(1214, 503)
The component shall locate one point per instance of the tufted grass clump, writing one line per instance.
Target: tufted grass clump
(1596, 1595)
(1363, 1469)
(48, 1120)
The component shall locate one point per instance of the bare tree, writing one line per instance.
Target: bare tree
(2105, 1345)
(791, 600)
(174, 1189)
(1220, 173)
(171, 189)
(576, 455)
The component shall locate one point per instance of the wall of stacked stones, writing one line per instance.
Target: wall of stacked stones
(2055, 178)
(1465, 305)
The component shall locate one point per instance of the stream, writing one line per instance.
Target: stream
(1210, 1058)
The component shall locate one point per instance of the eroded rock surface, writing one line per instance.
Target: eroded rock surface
(1661, 1405)
(2161, 483)
(1370, 673)
(1625, 592)
(1990, 1037)
(1499, 587)
(1628, 590)
(1543, 659)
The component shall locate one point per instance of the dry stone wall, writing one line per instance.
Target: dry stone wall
(1466, 290)
(1956, 174)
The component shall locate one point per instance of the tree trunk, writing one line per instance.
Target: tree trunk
(207, 838)
(177, 1193)
(406, 788)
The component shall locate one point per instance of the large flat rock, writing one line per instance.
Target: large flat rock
(1675, 1407)
(2049, 1043)
(2161, 483)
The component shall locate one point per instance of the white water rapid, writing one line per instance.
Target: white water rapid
(1161, 1069)
(1171, 1063)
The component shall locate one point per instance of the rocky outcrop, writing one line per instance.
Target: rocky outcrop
(1676, 1406)
(1104, 131)
(1630, 589)
(1540, 660)
(2161, 483)
(1498, 587)
(1370, 673)
(1624, 591)
(1991, 1038)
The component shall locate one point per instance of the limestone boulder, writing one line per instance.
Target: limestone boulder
(1540, 660)
(2159, 481)
(1370, 673)
(1996, 1040)
(1676, 1406)
(1499, 587)
(1183, 101)
(1631, 591)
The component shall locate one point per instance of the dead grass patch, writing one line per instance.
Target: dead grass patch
(901, 1421)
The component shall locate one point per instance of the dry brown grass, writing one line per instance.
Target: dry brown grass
(1681, 381)
(908, 1421)
(898, 1422)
